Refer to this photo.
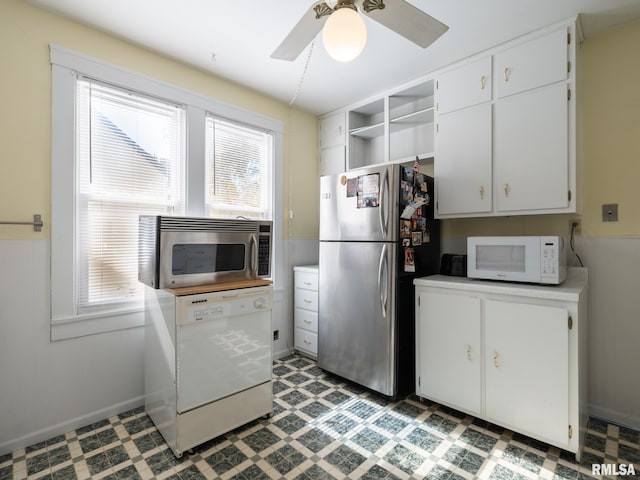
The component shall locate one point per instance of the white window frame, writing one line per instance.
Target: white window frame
(66, 66)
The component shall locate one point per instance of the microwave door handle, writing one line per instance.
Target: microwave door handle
(254, 256)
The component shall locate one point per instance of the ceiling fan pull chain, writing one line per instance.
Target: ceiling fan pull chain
(304, 73)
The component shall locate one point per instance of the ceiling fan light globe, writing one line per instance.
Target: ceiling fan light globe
(344, 35)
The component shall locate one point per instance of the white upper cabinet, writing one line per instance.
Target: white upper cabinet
(519, 157)
(501, 127)
(462, 167)
(332, 130)
(532, 64)
(531, 150)
(331, 141)
(464, 86)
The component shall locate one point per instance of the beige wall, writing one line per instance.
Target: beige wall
(25, 125)
(611, 139)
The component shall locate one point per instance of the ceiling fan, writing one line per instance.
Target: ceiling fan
(397, 15)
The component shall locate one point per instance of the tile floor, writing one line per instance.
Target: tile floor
(322, 428)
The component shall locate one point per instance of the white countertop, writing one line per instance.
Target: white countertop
(569, 290)
(306, 268)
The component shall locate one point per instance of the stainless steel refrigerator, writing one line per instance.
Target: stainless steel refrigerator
(377, 233)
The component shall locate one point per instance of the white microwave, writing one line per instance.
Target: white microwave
(532, 259)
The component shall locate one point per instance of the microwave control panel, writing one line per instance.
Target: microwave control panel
(549, 259)
(264, 256)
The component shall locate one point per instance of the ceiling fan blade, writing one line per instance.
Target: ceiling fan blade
(302, 34)
(408, 21)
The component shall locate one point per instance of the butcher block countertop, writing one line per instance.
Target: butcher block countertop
(219, 287)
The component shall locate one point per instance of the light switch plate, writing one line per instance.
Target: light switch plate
(610, 212)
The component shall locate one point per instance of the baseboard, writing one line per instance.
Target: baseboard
(281, 354)
(612, 416)
(69, 426)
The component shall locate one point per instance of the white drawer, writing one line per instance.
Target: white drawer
(306, 319)
(307, 299)
(306, 280)
(306, 341)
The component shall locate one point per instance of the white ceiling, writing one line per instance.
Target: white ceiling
(235, 38)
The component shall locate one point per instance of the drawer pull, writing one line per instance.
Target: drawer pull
(496, 359)
(469, 351)
(307, 342)
(308, 322)
(308, 283)
(483, 82)
(307, 301)
(506, 74)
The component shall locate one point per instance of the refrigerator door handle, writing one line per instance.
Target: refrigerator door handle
(383, 270)
(384, 204)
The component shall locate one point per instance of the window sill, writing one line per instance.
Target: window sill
(83, 325)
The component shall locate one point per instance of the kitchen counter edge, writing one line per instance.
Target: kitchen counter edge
(569, 290)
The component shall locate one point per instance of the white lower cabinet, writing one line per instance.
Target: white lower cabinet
(511, 354)
(449, 340)
(527, 367)
(305, 307)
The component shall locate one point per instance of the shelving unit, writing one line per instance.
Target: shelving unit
(393, 129)
(367, 128)
(411, 116)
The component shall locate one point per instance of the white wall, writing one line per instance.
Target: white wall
(47, 387)
(50, 388)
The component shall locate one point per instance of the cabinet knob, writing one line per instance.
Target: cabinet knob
(506, 74)
(469, 351)
(496, 359)
(483, 82)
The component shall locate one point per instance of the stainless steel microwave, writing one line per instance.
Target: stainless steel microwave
(530, 259)
(189, 251)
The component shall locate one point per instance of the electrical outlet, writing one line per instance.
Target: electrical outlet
(610, 212)
(276, 335)
(575, 226)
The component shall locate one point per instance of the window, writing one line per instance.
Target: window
(123, 145)
(130, 161)
(239, 163)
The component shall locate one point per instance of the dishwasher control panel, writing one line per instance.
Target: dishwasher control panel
(204, 307)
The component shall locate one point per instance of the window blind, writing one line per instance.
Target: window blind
(130, 162)
(239, 163)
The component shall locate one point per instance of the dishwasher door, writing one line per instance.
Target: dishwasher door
(223, 344)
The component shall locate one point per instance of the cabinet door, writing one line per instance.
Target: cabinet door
(464, 86)
(527, 368)
(532, 150)
(448, 349)
(332, 130)
(463, 173)
(532, 64)
(332, 160)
